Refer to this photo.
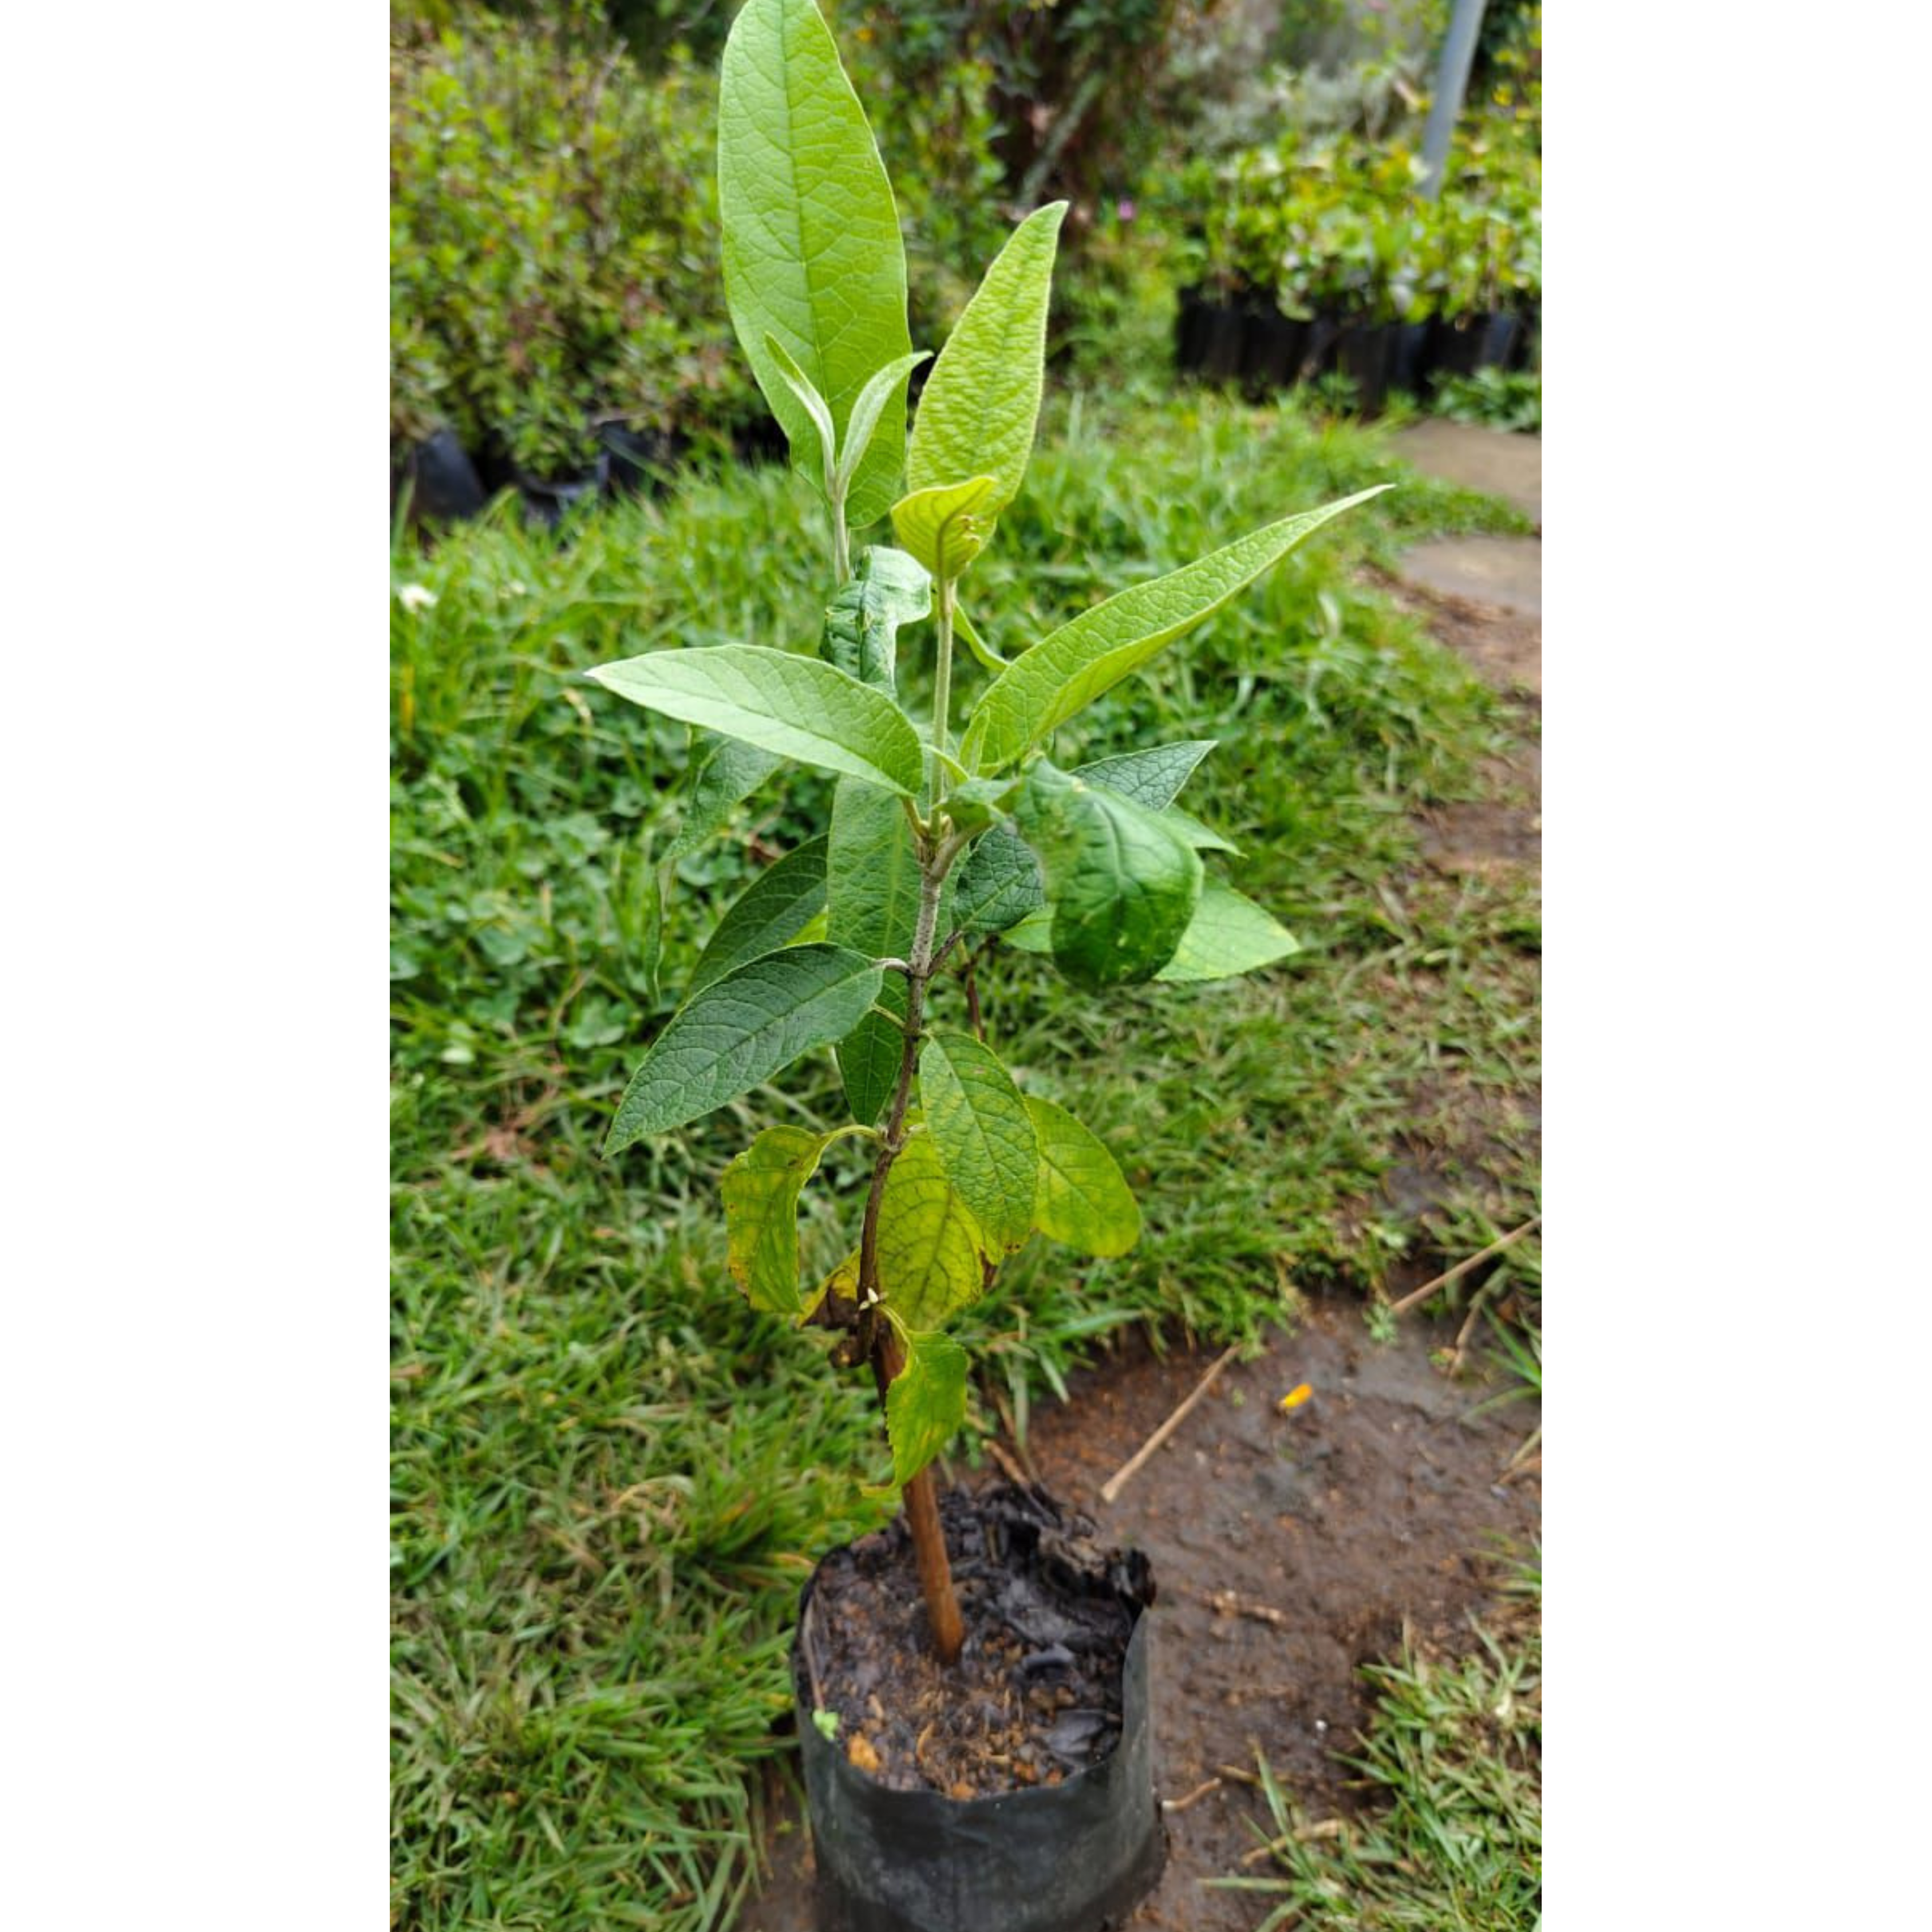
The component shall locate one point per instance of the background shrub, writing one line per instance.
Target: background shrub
(552, 241)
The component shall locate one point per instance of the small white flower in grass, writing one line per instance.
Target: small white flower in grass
(416, 597)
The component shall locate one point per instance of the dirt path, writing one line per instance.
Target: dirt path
(1294, 1547)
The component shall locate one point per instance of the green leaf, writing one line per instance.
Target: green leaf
(872, 882)
(1185, 826)
(771, 912)
(818, 410)
(869, 1055)
(926, 1403)
(761, 1189)
(740, 1030)
(812, 253)
(1153, 778)
(943, 527)
(974, 803)
(1033, 933)
(1061, 675)
(979, 1124)
(862, 622)
(999, 884)
(731, 770)
(1124, 883)
(1229, 935)
(983, 651)
(1083, 1199)
(928, 1242)
(977, 411)
(800, 707)
(886, 385)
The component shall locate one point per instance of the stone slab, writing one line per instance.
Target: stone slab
(1506, 571)
(1499, 462)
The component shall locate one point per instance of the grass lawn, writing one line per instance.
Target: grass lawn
(610, 1478)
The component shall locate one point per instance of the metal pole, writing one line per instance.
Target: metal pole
(1452, 77)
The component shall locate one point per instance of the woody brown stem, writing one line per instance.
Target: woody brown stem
(921, 1501)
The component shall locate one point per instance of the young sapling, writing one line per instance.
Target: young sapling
(863, 939)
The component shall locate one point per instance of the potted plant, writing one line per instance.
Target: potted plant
(864, 939)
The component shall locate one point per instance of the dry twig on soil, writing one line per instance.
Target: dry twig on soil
(1125, 1474)
(1462, 1268)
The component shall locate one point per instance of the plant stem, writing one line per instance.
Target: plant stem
(876, 1337)
(842, 545)
(942, 688)
(921, 1500)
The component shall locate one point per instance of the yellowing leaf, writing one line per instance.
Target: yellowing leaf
(925, 1403)
(929, 1244)
(1083, 1198)
(761, 1189)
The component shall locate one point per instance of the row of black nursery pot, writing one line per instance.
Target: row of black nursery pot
(1247, 339)
(448, 484)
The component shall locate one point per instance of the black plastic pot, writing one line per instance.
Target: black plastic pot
(1462, 344)
(1222, 334)
(636, 460)
(1365, 353)
(1073, 1857)
(1190, 323)
(443, 483)
(1271, 349)
(548, 500)
(1410, 368)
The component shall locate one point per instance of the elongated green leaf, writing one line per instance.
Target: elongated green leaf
(1124, 883)
(978, 410)
(979, 1124)
(741, 1029)
(761, 1189)
(1229, 935)
(872, 882)
(999, 884)
(974, 642)
(886, 386)
(730, 771)
(862, 622)
(1083, 1198)
(818, 411)
(943, 527)
(1045, 686)
(812, 246)
(770, 912)
(801, 707)
(926, 1403)
(928, 1242)
(1153, 778)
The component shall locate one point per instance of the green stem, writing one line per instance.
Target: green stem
(942, 690)
(842, 544)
